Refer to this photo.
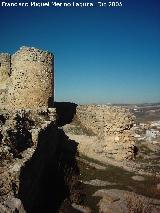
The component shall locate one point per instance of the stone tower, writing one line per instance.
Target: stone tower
(31, 81)
(5, 69)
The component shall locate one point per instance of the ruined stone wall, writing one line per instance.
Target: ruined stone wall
(31, 81)
(112, 125)
(5, 68)
(36, 161)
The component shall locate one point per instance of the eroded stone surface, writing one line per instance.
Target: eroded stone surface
(121, 201)
(26, 79)
(113, 126)
(5, 69)
(37, 158)
(17, 145)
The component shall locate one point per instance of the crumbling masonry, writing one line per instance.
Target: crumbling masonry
(113, 127)
(26, 79)
(29, 137)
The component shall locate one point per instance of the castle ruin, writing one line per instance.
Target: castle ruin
(26, 79)
(33, 149)
(26, 83)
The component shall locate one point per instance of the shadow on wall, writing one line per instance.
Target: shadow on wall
(65, 112)
(48, 178)
(20, 138)
(50, 102)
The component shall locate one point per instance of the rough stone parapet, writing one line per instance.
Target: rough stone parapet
(32, 54)
(113, 126)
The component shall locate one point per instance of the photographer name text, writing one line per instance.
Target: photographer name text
(62, 4)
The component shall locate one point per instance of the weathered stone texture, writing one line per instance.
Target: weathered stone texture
(31, 79)
(37, 160)
(112, 125)
(5, 68)
(26, 79)
(121, 201)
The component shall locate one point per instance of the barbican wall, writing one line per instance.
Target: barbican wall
(113, 126)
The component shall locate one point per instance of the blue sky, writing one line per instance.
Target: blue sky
(101, 54)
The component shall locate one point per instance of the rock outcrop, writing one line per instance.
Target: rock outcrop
(121, 201)
(38, 162)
